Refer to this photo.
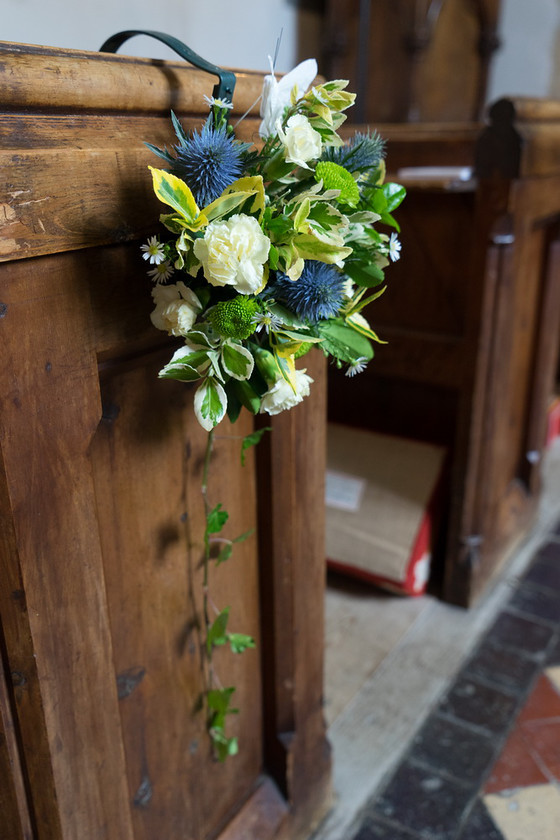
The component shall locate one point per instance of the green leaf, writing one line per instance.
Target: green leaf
(182, 373)
(219, 699)
(162, 153)
(239, 642)
(216, 520)
(217, 632)
(359, 301)
(279, 226)
(394, 195)
(302, 214)
(246, 394)
(283, 366)
(254, 186)
(273, 257)
(364, 275)
(388, 219)
(377, 201)
(325, 215)
(225, 204)
(186, 366)
(285, 315)
(198, 339)
(364, 216)
(210, 403)
(363, 330)
(298, 336)
(237, 360)
(214, 356)
(310, 248)
(242, 537)
(252, 440)
(224, 746)
(173, 222)
(224, 554)
(343, 342)
(179, 130)
(234, 404)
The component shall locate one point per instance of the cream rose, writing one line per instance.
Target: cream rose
(176, 308)
(233, 253)
(281, 396)
(300, 140)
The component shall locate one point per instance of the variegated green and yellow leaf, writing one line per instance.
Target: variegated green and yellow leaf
(175, 193)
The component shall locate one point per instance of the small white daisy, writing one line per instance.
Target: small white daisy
(357, 367)
(218, 103)
(153, 251)
(394, 248)
(266, 320)
(161, 272)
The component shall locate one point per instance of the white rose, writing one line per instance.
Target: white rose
(300, 140)
(233, 253)
(281, 396)
(176, 308)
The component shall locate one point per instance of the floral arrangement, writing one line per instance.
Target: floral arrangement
(277, 252)
(276, 247)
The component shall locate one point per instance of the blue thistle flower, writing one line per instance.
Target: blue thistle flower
(316, 295)
(208, 161)
(363, 151)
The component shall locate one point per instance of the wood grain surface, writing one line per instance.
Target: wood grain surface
(100, 505)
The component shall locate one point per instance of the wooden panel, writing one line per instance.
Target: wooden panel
(545, 358)
(15, 821)
(432, 275)
(262, 816)
(100, 495)
(147, 469)
(34, 76)
(50, 411)
(292, 465)
(21, 670)
(440, 361)
(522, 139)
(92, 189)
(412, 60)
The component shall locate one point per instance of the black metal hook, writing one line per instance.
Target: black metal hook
(226, 85)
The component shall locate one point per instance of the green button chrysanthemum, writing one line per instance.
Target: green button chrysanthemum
(234, 318)
(336, 177)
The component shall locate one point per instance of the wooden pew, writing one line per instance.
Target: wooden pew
(412, 60)
(471, 315)
(100, 475)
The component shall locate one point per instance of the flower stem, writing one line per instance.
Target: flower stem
(204, 489)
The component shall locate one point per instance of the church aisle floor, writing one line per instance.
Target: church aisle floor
(444, 722)
(486, 763)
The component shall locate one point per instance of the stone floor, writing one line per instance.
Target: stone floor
(445, 723)
(486, 763)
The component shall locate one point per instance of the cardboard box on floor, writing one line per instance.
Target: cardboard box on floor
(382, 494)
